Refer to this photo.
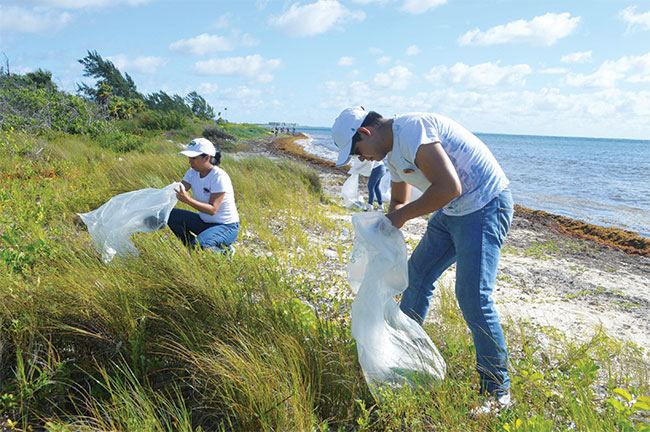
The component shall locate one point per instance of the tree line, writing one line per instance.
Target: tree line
(32, 102)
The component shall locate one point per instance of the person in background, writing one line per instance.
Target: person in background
(467, 192)
(374, 181)
(216, 225)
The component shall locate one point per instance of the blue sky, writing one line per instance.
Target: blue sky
(573, 68)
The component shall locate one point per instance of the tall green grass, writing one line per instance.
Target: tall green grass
(180, 340)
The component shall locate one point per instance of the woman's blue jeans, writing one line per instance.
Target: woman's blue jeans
(373, 184)
(190, 228)
(474, 243)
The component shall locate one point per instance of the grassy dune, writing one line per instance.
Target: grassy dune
(178, 340)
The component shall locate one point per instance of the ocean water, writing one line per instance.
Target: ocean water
(598, 180)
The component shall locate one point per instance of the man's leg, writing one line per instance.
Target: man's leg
(478, 238)
(432, 256)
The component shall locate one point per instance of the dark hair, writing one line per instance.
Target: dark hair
(372, 119)
(214, 160)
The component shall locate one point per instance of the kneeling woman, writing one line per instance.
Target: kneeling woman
(216, 224)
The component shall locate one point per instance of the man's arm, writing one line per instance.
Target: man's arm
(434, 163)
(400, 193)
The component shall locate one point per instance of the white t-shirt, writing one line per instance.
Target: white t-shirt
(216, 181)
(480, 175)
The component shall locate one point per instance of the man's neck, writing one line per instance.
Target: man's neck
(386, 133)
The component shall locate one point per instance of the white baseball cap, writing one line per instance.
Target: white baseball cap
(345, 126)
(199, 146)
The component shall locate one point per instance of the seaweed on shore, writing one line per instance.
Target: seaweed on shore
(627, 241)
(288, 145)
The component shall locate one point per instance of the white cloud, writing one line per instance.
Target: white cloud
(244, 99)
(209, 44)
(383, 60)
(554, 71)
(254, 67)
(530, 112)
(420, 6)
(241, 92)
(542, 30)
(143, 64)
(375, 50)
(346, 61)
(396, 78)
(21, 70)
(634, 19)
(315, 18)
(633, 69)
(206, 88)
(577, 57)
(348, 93)
(482, 75)
(413, 50)
(36, 20)
(202, 44)
(223, 21)
(81, 4)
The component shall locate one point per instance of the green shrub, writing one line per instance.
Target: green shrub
(119, 141)
(33, 107)
(220, 138)
(216, 133)
(160, 120)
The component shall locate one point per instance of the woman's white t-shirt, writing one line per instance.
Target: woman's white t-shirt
(216, 181)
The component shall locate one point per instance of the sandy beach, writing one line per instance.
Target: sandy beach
(549, 276)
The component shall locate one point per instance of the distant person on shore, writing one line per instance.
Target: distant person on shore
(467, 192)
(216, 225)
(374, 181)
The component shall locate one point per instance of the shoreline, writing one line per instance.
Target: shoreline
(618, 238)
(558, 277)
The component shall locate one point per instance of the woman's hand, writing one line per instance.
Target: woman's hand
(182, 194)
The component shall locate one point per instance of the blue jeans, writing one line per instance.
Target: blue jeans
(184, 224)
(474, 242)
(373, 184)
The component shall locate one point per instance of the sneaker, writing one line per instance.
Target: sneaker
(493, 405)
(368, 207)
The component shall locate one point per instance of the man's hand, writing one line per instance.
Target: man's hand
(396, 219)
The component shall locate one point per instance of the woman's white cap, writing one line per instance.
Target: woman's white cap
(345, 126)
(199, 146)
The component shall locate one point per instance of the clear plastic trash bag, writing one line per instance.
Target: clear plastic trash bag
(393, 349)
(350, 193)
(384, 187)
(144, 210)
(350, 189)
(363, 168)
